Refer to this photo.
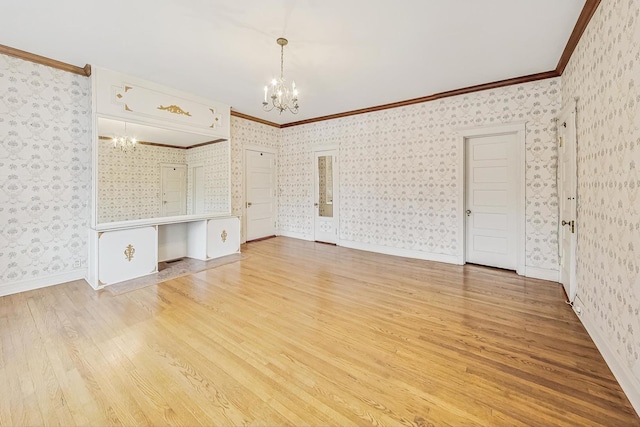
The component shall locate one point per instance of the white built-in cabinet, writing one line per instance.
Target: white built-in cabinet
(123, 254)
(119, 255)
(121, 250)
(222, 235)
(214, 238)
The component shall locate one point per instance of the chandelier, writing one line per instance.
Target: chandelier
(124, 143)
(282, 97)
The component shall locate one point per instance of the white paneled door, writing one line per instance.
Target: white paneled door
(173, 186)
(567, 193)
(491, 200)
(260, 173)
(326, 198)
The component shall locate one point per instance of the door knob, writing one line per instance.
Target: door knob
(468, 212)
(316, 205)
(249, 204)
(571, 223)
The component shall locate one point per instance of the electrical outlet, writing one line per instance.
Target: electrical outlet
(76, 263)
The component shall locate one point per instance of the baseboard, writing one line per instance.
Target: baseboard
(542, 273)
(294, 235)
(42, 282)
(533, 272)
(407, 253)
(630, 383)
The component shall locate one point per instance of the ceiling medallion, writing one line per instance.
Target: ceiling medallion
(282, 97)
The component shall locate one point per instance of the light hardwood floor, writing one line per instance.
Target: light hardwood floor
(300, 333)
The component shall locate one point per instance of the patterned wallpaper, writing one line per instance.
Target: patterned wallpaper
(243, 133)
(398, 170)
(604, 72)
(129, 183)
(215, 158)
(45, 176)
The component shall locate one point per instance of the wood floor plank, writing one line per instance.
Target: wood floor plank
(23, 398)
(300, 333)
(342, 367)
(335, 352)
(256, 342)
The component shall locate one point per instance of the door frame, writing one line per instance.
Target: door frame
(276, 212)
(519, 129)
(569, 114)
(191, 176)
(336, 187)
(186, 189)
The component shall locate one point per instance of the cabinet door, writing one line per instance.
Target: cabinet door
(127, 254)
(223, 237)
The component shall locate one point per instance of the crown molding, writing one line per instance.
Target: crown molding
(43, 60)
(440, 95)
(581, 25)
(254, 119)
(586, 14)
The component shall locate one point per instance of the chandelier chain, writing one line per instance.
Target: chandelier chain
(282, 62)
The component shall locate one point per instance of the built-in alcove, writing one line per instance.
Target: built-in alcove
(161, 179)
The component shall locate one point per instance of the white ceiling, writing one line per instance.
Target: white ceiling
(343, 54)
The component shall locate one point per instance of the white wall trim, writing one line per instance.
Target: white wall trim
(335, 152)
(570, 107)
(542, 273)
(243, 216)
(407, 253)
(620, 369)
(42, 282)
(325, 147)
(294, 235)
(569, 117)
(499, 128)
(519, 129)
(193, 166)
(254, 147)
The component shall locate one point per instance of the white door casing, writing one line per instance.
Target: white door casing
(260, 193)
(197, 189)
(173, 189)
(567, 203)
(326, 197)
(490, 202)
(494, 232)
